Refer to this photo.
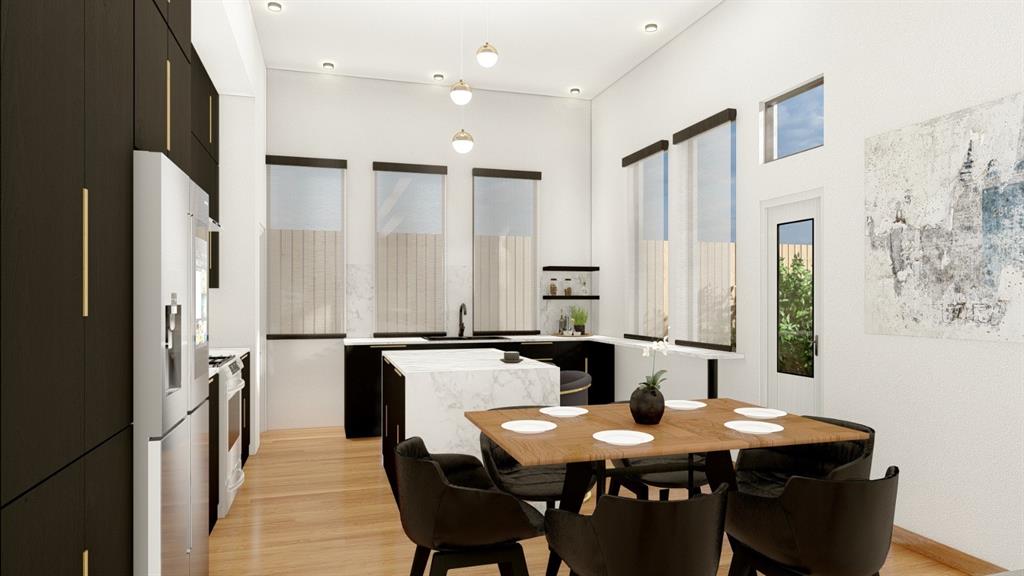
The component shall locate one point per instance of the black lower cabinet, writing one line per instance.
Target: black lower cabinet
(215, 441)
(43, 531)
(80, 518)
(362, 390)
(246, 398)
(108, 505)
(394, 418)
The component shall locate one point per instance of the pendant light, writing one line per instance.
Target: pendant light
(462, 141)
(487, 55)
(461, 93)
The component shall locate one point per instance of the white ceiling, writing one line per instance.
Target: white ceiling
(545, 47)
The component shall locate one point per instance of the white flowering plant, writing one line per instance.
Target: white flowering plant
(654, 380)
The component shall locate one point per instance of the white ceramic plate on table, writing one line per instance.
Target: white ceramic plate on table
(684, 404)
(529, 426)
(753, 426)
(758, 413)
(623, 437)
(564, 411)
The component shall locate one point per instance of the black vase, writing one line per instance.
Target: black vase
(647, 405)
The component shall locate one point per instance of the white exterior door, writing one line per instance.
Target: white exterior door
(792, 264)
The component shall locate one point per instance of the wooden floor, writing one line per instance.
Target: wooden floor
(316, 503)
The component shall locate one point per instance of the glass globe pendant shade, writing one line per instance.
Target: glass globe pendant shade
(461, 93)
(462, 141)
(487, 55)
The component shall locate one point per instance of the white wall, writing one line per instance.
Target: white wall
(947, 412)
(225, 37)
(362, 121)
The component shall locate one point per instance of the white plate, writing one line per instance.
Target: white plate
(623, 437)
(564, 411)
(529, 426)
(753, 427)
(684, 404)
(760, 413)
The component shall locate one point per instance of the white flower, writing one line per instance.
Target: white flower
(647, 351)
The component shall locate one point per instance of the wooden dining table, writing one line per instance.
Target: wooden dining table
(680, 432)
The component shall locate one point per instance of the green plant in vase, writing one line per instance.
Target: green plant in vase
(579, 318)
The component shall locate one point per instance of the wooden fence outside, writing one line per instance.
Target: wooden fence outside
(505, 288)
(409, 283)
(306, 282)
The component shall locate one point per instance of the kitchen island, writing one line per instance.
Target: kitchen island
(427, 392)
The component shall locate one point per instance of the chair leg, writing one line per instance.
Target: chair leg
(693, 492)
(515, 566)
(439, 566)
(550, 504)
(742, 564)
(663, 494)
(419, 561)
(614, 486)
(642, 492)
(554, 563)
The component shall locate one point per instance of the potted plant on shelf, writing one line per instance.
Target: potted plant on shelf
(579, 319)
(647, 405)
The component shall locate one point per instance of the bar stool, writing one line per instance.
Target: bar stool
(575, 390)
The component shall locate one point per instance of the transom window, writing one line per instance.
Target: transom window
(795, 121)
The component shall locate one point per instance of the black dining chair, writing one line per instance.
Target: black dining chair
(765, 471)
(828, 527)
(627, 537)
(449, 505)
(531, 483)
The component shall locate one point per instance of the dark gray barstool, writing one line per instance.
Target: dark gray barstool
(575, 388)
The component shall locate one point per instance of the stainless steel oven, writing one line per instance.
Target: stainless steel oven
(229, 391)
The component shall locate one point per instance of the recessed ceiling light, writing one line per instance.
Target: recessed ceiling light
(438, 77)
(328, 65)
(651, 27)
(274, 6)
(575, 91)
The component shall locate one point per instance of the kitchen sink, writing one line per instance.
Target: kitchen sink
(460, 338)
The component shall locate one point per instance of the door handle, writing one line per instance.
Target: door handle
(85, 252)
(168, 98)
(209, 121)
(815, 344)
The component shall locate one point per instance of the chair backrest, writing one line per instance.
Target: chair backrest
(496, 460)
(842, 527)
(836, 460)
(421, 486)
(679, 537)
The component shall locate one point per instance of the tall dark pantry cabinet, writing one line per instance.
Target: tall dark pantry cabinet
(66, 116)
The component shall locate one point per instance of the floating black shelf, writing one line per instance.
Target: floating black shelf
(580, 297)
(570, 268)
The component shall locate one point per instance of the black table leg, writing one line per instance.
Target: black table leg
(719, 469)
(713, 378)
(574, 489)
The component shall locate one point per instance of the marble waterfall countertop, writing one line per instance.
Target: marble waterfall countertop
(411, 362)
(441, 385)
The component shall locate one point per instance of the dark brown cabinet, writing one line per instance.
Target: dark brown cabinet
(152, 75)
(43, 531)
(108, 177)
(78, 519)
(41, 225)
(205, 108)
(179, 20)
(203, 171)
(108, 505)
(180, 94)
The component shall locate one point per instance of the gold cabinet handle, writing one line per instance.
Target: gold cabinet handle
(85, 562)
(210, 118)
(536, 343)
(85, 252)
(168, 114)
(586, 364)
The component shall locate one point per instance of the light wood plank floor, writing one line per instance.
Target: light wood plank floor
(315, 503)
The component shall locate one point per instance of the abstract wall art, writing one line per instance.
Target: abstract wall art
(944, 226)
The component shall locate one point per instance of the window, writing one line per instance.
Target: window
(795, 298)
(795, 121)
(306, 246)
(705, 160)
(647, 182)
(410, 290)
(504, 250)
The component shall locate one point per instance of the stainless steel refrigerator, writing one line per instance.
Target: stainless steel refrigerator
(171, 443)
